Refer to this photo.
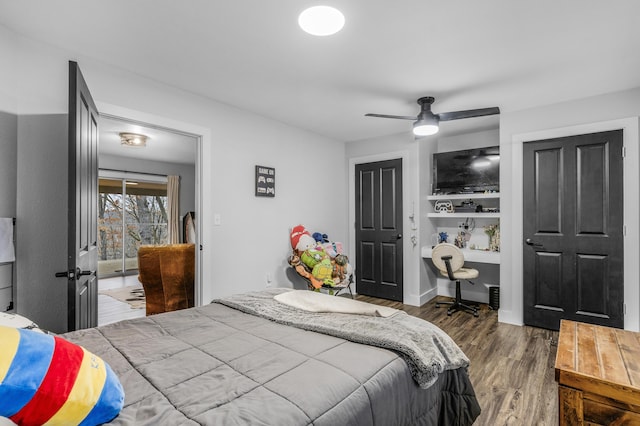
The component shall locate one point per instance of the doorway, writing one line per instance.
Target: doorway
(133, 208)
(378, 229)
(511, 269)
(573, 229)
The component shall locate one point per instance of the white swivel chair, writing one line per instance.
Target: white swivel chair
(449, 260)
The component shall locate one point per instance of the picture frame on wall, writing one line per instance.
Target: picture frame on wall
(265, 183)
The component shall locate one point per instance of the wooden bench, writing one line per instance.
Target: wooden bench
(598, 374)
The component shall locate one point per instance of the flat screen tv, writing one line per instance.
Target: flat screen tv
(467, 171)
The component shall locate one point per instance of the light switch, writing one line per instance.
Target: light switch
(216, 219)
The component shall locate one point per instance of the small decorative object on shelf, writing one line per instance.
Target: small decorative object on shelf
(443, 206)
(493, 231)
(443, 237)
(468, 207)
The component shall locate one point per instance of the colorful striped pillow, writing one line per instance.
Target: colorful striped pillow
(47, 379)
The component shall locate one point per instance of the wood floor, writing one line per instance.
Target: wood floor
(512, 367)
(111, 310)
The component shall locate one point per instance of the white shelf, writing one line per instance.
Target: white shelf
(478, 256)
(474, 196)
(459, 215)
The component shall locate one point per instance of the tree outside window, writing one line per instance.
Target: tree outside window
(143, 207)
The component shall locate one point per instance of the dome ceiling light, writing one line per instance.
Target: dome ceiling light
(321, 20)
(133, 139)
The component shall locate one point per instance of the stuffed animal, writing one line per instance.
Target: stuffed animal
(320, 238)
(312, 256)
(294, 261)
(317, 259)
(323, 271)
(301, 239)
(339, 263)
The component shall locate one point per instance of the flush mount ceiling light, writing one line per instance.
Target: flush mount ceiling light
(133, 139)
(321, 20)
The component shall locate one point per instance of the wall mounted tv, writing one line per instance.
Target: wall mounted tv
(467, 171)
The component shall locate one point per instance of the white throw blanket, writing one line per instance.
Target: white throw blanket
(312, 301)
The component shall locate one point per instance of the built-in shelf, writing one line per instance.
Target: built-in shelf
(478, 256)
(474, 196)
(458, 215)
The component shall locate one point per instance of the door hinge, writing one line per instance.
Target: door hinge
(624, 152)
(624, 309)
(624, 230)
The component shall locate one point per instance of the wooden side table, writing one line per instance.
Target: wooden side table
(598, 374)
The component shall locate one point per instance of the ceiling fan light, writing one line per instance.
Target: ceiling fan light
(422, 128)
(321, 20)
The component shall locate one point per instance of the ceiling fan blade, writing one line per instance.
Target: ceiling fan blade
(400, 117)
(456, 115)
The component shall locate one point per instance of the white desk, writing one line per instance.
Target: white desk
(479, 256)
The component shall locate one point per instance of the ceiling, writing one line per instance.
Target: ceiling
(162, 144)
(252, 55)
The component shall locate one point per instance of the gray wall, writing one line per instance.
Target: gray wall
(8, 167)
(41, 230)
(187, 173)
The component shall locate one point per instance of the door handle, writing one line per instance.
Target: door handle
(71, 274)
(64, 274)
(530, 242)
(396, 238)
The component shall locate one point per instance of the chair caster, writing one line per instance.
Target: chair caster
(449, 313)
(476, 314)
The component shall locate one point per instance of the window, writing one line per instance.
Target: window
(131, 212)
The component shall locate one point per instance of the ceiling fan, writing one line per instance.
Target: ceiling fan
(426, 123)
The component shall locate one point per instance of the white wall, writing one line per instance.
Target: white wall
(253, 238)
(8, 73)
(599, 113)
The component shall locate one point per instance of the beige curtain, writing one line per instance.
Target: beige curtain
(173, 201)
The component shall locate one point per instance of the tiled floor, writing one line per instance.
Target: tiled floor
(111, 310)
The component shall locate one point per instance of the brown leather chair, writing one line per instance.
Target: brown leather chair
(167, 276)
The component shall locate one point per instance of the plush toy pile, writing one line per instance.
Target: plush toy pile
(317, 259)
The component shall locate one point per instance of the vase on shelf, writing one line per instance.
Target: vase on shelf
(493, 231)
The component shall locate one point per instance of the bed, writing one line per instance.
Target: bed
(234, 362)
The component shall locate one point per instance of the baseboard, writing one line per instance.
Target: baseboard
(508, 317)
(419, 300)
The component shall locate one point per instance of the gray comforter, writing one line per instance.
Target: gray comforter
(216, 365)
(427, 349)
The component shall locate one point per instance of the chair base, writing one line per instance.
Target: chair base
(459, 305)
